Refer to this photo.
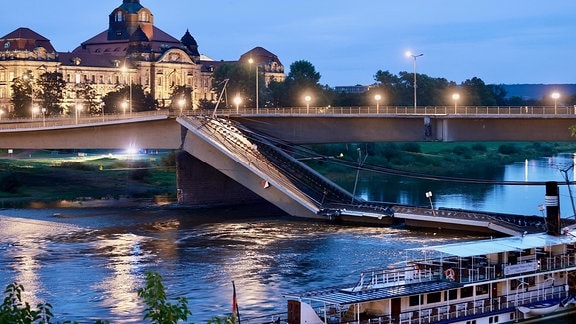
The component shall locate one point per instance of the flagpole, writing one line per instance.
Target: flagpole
(235, 310)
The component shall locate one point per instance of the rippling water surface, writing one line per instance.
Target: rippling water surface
(89, 263)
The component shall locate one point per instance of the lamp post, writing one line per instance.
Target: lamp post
(28, 76)
(237, 101)
(256, 69)
(77, 109)
(124, 106)
(44, 117)
(456, 97)
(1, 113)
(555, 96)
(429, 196)
(414, 56)
(377, 98)
(307, 99)
(125, 70)
(181, 103)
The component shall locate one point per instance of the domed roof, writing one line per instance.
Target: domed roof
(131, 6)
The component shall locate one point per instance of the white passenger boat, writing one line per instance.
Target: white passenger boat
(500, 280)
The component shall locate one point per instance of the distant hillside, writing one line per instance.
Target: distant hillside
(537, 91)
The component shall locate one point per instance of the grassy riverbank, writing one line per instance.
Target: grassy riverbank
(53, 176)
(435, 158)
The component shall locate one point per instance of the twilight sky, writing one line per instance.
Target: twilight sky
(499, 41)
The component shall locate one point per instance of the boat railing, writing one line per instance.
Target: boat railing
(467, 308)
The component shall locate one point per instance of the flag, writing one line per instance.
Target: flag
(235, 310)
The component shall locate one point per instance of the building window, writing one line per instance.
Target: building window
(119, 16)
(414, 300)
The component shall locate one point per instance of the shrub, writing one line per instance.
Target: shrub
(14, 311)
(158, 310)
(507, 149)
(9, 183)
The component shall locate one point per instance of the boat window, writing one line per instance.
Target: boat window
(415, 300)
(481, 290)
(466, 292)
(451, 294)
(433, 298)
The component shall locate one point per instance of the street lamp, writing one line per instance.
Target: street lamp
(377, 98)
(124, 106)
(307, 98)
(125, 70)
(414, 56)
(181, 103)
(429, 196)
(1, 112)
(78, 108)
(555, 95)
(44, 117)
(456, 97)
(237, 101)
(256, 69)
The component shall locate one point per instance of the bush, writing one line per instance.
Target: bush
(9, 183)
(411, 147)
(14, 311)
(159, 310)
(507, 149)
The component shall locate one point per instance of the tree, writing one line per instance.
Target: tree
(88, 98)
(51, 94)
(239, 83)
(181, 93)
(22, 97)
(303, 79)
(117, 101)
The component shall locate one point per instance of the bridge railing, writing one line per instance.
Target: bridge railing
(59, 121)
(405, 110)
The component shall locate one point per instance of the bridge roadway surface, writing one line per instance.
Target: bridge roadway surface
(241, 146)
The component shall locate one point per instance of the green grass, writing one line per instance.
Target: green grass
(49, 177)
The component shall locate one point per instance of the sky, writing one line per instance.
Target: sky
(498, 41)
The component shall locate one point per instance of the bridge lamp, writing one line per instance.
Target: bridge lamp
(44, 117)
(456, 97)
(124, 106)
(181, 103)
(77, 110)
(35, 111)
(555, 95)
(414, 56)
(125, 70)
(237, 101)
(377, 98)
(429, 196)
(307, 99)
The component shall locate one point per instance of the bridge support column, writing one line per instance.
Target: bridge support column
(200, 184)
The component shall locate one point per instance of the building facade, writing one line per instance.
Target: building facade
(131, 51)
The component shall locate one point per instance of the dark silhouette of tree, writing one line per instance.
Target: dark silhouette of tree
(51, 92)
(22, 97)
(303, 80)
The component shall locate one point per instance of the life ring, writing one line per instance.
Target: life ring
(449, 274)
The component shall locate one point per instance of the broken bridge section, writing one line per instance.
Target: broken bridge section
(259, 164)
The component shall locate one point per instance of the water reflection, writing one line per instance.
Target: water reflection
(515, 199)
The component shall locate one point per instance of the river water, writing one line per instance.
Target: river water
(89, 263)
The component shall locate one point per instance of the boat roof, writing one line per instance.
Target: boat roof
(346, 297)
(498, 245)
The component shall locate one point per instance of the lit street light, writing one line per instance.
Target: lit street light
(307, 98)
(456, 97)
(237, 101)
(555, 96)
(181, 104)
(125, 70)
(377, 98)
(429, 196)
(77, 110)
(414, 56)
(256, 68)
(124, 106)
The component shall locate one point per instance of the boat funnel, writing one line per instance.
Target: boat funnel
(552, 201)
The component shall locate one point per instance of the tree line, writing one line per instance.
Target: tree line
(236, 80)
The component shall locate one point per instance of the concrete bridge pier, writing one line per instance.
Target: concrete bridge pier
(200, 184)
